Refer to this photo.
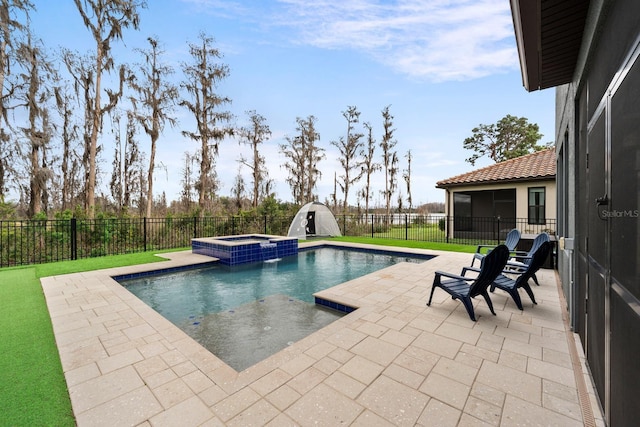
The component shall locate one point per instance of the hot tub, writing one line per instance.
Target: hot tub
(245, 248)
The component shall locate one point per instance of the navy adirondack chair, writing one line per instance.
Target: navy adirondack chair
(521, 260)
(511, 241)
(466, 288)
(511, 285)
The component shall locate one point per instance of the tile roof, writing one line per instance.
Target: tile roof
(535, 166)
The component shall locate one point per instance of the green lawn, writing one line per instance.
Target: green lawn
(450, 247)
(32, 386)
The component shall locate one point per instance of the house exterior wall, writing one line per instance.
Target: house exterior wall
(522, 196)
(598, 158)
(566, 191)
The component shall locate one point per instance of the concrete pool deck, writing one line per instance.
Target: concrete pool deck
(394, 361)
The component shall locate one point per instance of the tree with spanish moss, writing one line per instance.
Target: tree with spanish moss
(187, 181)
(406, 175)
(369, 165)
(105, 20)
(70, 181)
(254, 134)
(14, 16)
(202, 77)
(349, 148)
(128, 183)
(303, 156)
(393, 174)
(37, 75)
(238, 190)
(153, 103)
(389, 158)
(80, 68)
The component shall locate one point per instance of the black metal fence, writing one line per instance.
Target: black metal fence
(40, 241)
(440, 228)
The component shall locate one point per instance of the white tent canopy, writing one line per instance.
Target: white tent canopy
(312, 220)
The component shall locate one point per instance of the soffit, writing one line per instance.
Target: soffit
(549, 36)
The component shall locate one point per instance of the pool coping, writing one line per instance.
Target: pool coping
(126, 364)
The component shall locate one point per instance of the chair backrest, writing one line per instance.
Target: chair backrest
(539, 240)
(536, 261)
(492, 265)
(513, 237)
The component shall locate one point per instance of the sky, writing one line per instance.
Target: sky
(443, 67)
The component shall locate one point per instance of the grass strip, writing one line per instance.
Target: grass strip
(33, 390)
(32, 386)
(449, 247)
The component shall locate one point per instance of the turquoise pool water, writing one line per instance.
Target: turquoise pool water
(246, 313)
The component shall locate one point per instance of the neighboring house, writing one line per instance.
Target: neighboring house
(517, 193)
(590, 51)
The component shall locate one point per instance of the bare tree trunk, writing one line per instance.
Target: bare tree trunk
(35, 196)
(152, 160)
(90, 195)
(205, 167)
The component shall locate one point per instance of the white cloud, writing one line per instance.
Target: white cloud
(435, 40)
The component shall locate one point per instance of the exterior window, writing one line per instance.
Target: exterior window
(462, 211)
(537, 205)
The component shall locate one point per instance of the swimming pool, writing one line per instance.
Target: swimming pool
(245, 313)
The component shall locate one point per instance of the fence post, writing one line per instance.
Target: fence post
(265, 224)
(144, 232)
(344, 224)
(74, 239)
(406, 228)
(446, 228)
(372, 226)
(195, 233)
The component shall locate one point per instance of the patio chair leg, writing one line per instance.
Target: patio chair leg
(535, 279)
(489, 302)
(469, 306)
(527, 288)
(516, 297)
(433, 288)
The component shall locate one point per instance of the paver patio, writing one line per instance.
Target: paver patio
(394, 361)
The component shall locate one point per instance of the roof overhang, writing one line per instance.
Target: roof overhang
(548, 35)
(496, 182)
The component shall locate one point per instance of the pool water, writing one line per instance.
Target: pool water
(245, 313)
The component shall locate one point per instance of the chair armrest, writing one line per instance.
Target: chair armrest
(484, 246)
(453, 276)
(512, 272)
(465, 269)
(514, 268)
(520, 257)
